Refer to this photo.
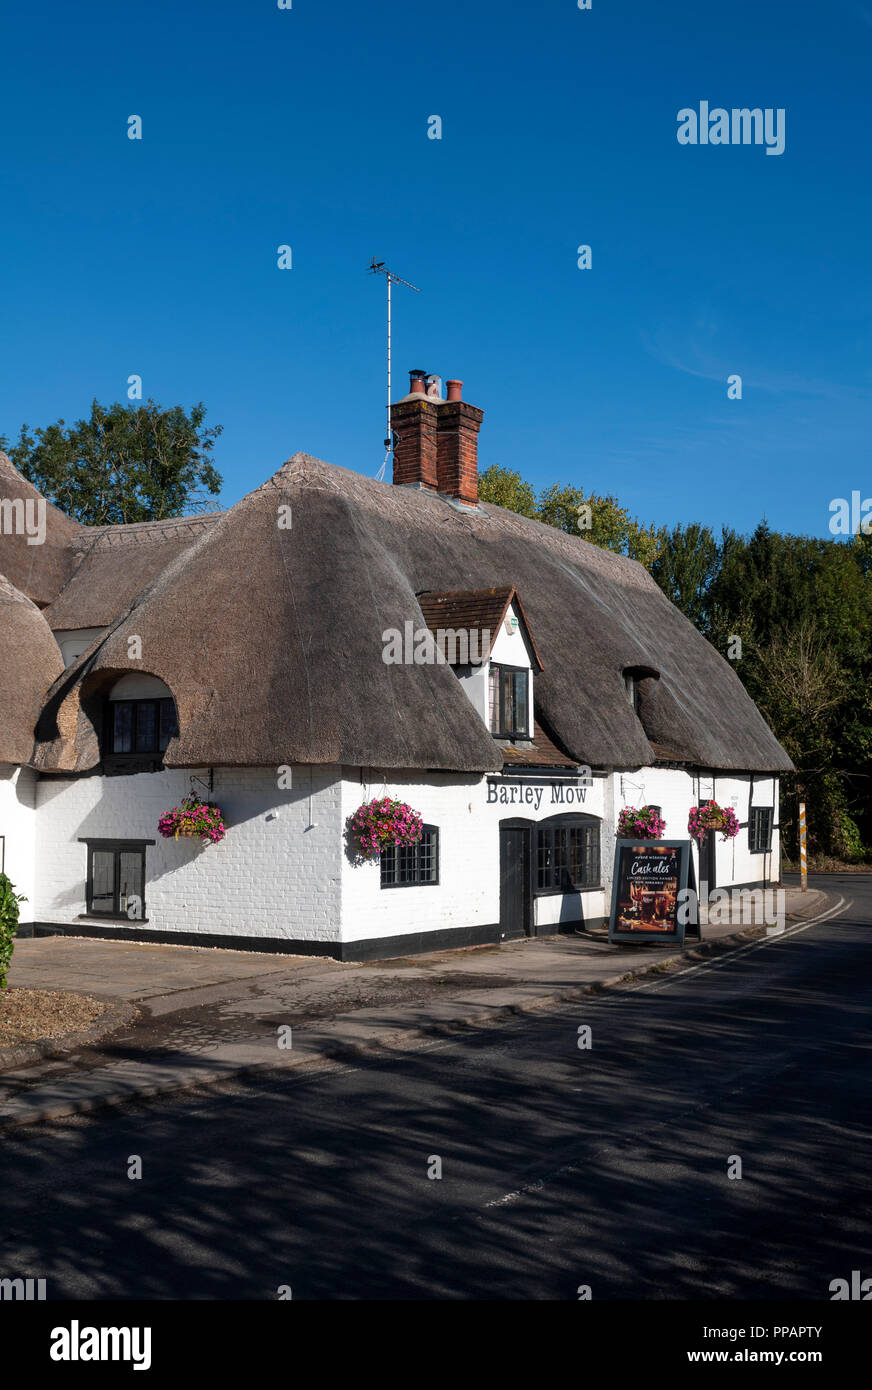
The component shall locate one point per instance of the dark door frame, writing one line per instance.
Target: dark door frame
(708, 852)
(527, 916)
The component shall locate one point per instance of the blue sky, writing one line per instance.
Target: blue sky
(308, 127)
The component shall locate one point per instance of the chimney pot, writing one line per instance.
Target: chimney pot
(453, 388)
(416, 383)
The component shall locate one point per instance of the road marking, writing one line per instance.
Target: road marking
(836, 911)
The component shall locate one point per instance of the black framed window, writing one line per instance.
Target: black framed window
(760, 829)
(509, 701)
(116, 879)
(141, 726)
(567, 856)
(403, 866)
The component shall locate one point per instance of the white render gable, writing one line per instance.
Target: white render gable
(511, 647)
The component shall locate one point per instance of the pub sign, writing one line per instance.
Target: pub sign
(648, 890)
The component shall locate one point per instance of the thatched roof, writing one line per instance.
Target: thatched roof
(271, 639)
(38, 571)
(113, 564)
(29, 662)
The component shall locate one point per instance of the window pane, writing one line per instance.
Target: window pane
(520, 683)
(493, 685)
(130, 881)
(545, 858)
(407, 856)
(388, 866)
(427, 857)
(102, 881)
(577, 856)
(146, 726)
(561, 856)
(123, 727)
(508, 702)
(168, 727)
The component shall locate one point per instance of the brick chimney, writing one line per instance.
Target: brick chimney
(436, 443)
(413, 421)
(457, 446)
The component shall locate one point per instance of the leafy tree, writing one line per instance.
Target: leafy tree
(125, 463)
(601, 520)
(802, 609)
(505, 488)
(687, 562)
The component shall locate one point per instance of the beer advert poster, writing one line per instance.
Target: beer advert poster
(649, 877)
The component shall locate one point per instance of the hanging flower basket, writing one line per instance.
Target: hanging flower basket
(376, 825)
(193, 818)
(711, 816)
(644, 824)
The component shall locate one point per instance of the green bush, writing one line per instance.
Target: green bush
(849, 838)
(9, 901)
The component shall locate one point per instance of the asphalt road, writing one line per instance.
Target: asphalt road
(561, 1167)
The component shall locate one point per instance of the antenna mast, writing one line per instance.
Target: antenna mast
(379, 268)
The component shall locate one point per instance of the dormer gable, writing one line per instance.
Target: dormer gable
(485, 636)
(473, 626)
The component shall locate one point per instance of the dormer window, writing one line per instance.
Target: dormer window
(486, 639)
(638, 684)
(142, 726)
(140, 721)
(508, 701)
(631, 686)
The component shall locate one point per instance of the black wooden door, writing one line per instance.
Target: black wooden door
(516, 916)
(707, 861)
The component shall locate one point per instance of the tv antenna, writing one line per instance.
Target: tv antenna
(379, 268)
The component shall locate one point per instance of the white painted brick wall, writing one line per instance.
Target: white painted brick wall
(18, 825)
(676, 791)
(272, 876)
(468, 893)
(289, 875)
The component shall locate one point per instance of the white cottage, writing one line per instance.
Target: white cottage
(328, 640)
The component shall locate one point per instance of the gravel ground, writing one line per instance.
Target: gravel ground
(30, 1015)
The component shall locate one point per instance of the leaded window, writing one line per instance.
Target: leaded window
(404, 866)
(760, 829)
(567, 856)
(141, 726)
